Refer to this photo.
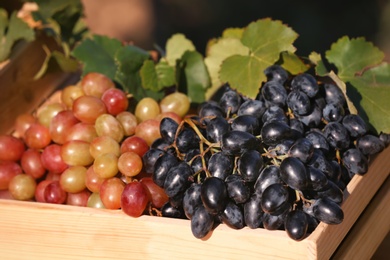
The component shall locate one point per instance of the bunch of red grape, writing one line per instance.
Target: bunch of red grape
(86, 148)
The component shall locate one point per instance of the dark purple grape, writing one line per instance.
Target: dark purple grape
(275, 199)
(336, 173)
(177, 200)
(320, 162)
(150, 158)
(299, 102)
(167, 210)
(220, 165)
(306, 83)
(282, 147)
(162, 166)
(237, 189)
(202, 222)
(318, 179)
(296, 224)
(237, 142)
(250, 164)
(274, 113)
(191, 199)
(331, 191)
(253, 213)
(230, 102)
(355, 125)
(168, 128)
(302, 149)
(333, 94)
(337, 135)
(313, 118)
(246, 123)
(328, 211)
(274, 132)
(233, 216)
(355, 161)
(274, 222)
(385, 138)
(333, 112)
(214, 195)
(210, 109)
(274, 93)
(318, 139)
(370, 144)
(177, 179)
(294, 173)
(297, 127)
(269, 175)
(276, 73)
(252, 107)
(216, 128)
(186, 140)
(161, 144)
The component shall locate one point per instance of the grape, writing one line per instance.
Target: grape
(210, 109)
(318, 179)
(274, 93)
(110, 193)
(250, 164)
(297, 127)
(274, 222)
(76, 152)
(95, 84)
(156, 194)
(385, 138)
(8, 170)
(177, 179)
(237, 142)
(187, 140)
(253, 212)
(22, 123)
(79, 199)
(60, 126)
(318, 140)
(306, 83)
(233, 216)
(214, 195)
(107, 124)
(269, 175)
(162, 166)
(150, 157)
(302, 149)
(299, 102)
(355, 161)
(69, 94)
(81, 131)
(216, 128)
(245, 123)
(276, 73)
(274, 113)
(134, 199)
(175, 102)
(147, 108)
(327, 211)
(22, 187)
(230, 102)
(202, 222)
(31, 163)
(275, 199)
(220, 165)
(252, 107)
(73, 179)
(274, 132)
(94, 201)
(370, 144)
(313, 118)
(88, 108)
(53, 193)
(115, 100)
(333, 112)
(104, 144)
(149, 130)
(192, 199)
(237, 189)
(92, 180)
(296, 224)
(48, 112)
(40, 190)
(337, 135)
(130, 164)
(51, 159)
(331, 191)
(333, 94)
(128, 122)
(320, 162)
(134, 144)
(37, 136)
(11, 148)
(172, 212)
(168, 128)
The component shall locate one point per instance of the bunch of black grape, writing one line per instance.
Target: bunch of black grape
(279, 161)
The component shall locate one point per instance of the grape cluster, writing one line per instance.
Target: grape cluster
(279, 161)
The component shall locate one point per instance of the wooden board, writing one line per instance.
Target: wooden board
(31, 230)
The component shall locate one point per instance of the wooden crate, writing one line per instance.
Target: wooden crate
(31, 230)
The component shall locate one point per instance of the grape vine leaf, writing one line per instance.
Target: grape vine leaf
(175, 47)
(11, 31)
(102, 60)
(266, 39)
(292, 63)
(216, 53)
(233, 33)
(157, 76)
(192, 76)
(360, 64)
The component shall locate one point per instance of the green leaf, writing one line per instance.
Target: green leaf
(352, 56)
(149, 76)
(233, 33)
(217, 53)
(97, 55)
(292, 63)
(165, 74)
(266, 39)
(16, 29)
(193, 76)
(360, 64)
(320, 68)
(176, 46)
